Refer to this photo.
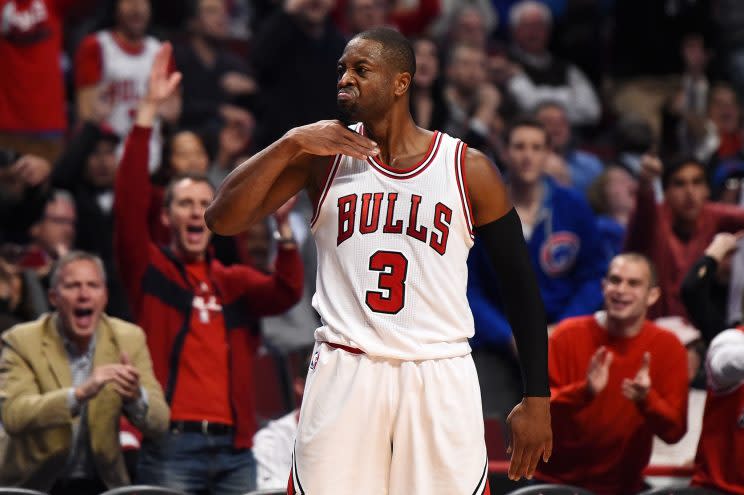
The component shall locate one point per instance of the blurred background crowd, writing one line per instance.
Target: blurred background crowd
(640, 101)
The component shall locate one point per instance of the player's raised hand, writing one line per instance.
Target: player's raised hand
(599, 370)
(331, 137)
(531, 436)
(637, 388)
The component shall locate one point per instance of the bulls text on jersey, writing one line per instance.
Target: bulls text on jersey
(363, 216)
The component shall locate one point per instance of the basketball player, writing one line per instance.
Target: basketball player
(392, 403)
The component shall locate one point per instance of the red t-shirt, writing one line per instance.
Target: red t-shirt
(719, 463)
(603, 444)
(202, 387)
(32, 97)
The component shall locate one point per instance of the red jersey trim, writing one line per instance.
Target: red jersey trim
(128, 47)
(326, 187)
(462, 187)
(410, 172)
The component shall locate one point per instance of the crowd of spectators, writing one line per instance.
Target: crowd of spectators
(617, 126)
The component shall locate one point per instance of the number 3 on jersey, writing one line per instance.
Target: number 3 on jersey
(393, 268)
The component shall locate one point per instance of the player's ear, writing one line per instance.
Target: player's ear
(402, 83)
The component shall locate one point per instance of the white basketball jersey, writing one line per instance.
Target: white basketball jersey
(392, 251)
(124, 82)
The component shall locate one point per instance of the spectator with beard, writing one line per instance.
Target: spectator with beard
(216, 83)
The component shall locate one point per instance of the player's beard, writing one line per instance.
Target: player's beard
(347, 114)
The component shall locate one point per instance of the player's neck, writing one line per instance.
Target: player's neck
(394, 136)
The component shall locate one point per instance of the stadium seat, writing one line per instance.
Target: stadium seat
(496, 442)
(142, 490)
(274, 396)
(18, 491)
(681, 490)
(551, 489)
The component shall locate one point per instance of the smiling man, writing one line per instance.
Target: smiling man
(616, 380)
(199, 316)
(65, 379)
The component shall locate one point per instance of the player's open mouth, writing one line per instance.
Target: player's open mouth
(83, 317)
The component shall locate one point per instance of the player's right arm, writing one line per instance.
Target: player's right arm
(260, 185)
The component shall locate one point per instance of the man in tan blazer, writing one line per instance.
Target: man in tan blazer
(65, 380)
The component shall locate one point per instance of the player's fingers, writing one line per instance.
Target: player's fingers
(516, 466)
(358, 139)
(348, 150)
(548, 450)
(532, 457)
(361, 143)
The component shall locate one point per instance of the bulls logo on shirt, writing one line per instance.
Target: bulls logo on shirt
(558, 253)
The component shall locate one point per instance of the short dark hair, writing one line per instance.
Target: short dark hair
(676, 164)
(196, 177)
(398, 49)
(526, 121)
(653, 280)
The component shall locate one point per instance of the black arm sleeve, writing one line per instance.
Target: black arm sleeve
(507, 250)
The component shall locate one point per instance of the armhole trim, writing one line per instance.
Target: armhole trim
(330, 174)
(460, 152)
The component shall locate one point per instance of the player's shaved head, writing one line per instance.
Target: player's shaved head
(396, 48)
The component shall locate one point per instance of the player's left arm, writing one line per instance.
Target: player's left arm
(498, 225)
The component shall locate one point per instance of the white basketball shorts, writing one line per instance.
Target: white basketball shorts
(373, 426)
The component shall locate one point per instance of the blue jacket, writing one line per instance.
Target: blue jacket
(569, 263)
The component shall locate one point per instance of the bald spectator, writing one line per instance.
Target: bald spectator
(65, 379)
(542, 76)
(616, 380)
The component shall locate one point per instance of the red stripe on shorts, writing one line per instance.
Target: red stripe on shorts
(290, 484)
(346, 348)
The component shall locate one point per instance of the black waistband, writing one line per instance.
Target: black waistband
(205, 427)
